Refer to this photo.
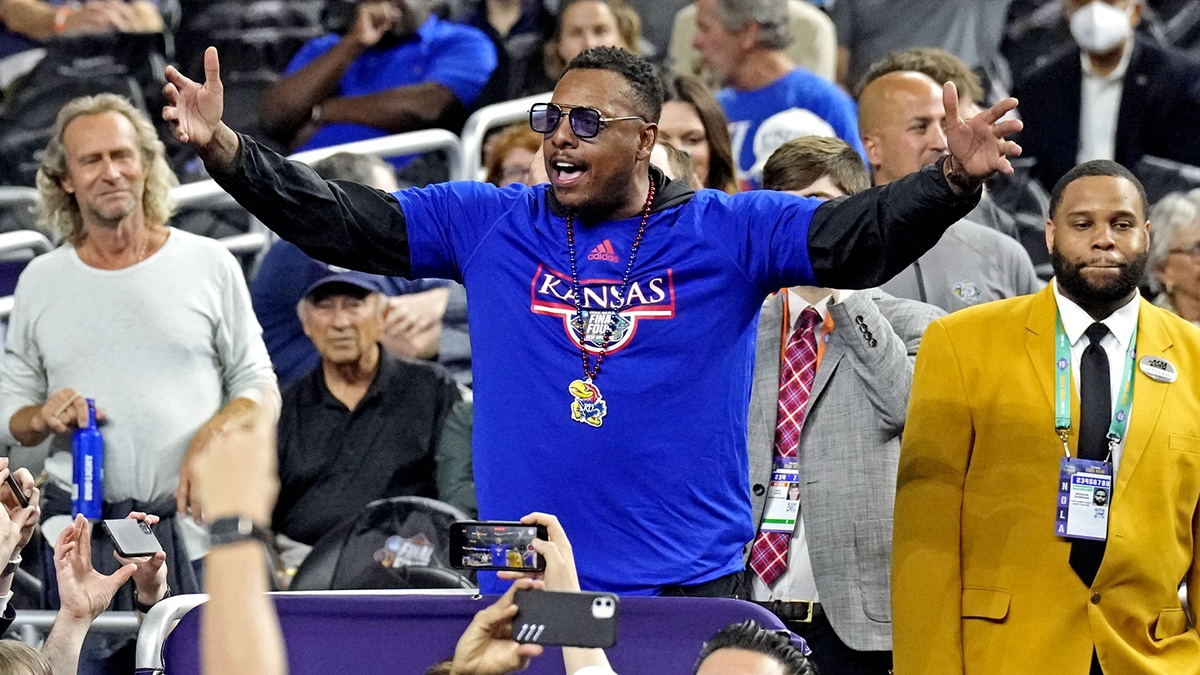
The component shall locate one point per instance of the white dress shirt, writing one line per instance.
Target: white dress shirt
(1099, 105)
(797, 582)
(1120, 324)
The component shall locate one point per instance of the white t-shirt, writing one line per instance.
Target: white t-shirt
(161, 346)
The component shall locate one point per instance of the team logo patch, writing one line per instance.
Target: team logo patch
(603, 307)
(967, 291)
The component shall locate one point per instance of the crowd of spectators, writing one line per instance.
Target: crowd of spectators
(372, 384)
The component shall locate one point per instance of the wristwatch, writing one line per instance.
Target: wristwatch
(11, 567)
(235, 529)
(143, 607)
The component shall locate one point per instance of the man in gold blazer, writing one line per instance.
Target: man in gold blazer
(982, 582)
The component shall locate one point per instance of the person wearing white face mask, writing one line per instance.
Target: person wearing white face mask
(1120, 96)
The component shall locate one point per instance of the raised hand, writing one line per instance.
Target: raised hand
(194, 110)
(150, 577)
(84, 592)
(16, 523)
(373, 21)
(978, 145)
(487, 647)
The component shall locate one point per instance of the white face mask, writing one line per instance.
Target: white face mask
(1099, 28)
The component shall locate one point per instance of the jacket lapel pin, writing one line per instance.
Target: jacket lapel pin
(1158, 369)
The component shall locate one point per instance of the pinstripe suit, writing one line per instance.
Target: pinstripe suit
(848, 451)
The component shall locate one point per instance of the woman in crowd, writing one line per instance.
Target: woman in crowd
(1175, 254)
(583, 24)
(693, 122)
(510, 155)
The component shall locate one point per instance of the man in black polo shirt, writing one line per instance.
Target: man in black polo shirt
(365, 424)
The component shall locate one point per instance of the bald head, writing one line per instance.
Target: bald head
(900, 117)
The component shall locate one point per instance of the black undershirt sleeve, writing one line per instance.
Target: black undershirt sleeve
(338, 222)
(865, 239)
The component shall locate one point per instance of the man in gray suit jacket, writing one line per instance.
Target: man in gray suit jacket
(835, 590)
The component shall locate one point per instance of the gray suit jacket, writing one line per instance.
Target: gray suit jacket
(848, 452)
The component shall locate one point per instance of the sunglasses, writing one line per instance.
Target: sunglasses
(585, 122)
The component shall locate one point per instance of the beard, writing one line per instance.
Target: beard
(604, 200)
(1077, 287)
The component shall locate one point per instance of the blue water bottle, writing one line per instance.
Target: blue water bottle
(87, 446)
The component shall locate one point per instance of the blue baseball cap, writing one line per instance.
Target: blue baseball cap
(355, 284)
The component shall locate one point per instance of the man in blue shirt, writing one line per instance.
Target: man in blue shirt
(396, 69)
(768, 98)
(661, 332)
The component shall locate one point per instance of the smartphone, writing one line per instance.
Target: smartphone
(12, 484)
(133, 538)
(566, 619)
(496, 545)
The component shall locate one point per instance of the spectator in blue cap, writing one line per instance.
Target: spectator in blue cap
(364, 424)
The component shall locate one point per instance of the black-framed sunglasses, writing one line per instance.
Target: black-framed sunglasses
(585, 122)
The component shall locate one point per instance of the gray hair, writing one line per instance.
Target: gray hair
(1173, 212)
(770, 15)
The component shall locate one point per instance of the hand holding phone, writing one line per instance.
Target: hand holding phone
(566, 619)
(496, 545)
(132, 538)
(16, 489)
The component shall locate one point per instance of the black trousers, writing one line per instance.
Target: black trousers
(831, 656)
(729, 586)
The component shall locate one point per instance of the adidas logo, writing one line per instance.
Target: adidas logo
(604, 252)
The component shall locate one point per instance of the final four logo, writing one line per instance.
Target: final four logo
(652, 298)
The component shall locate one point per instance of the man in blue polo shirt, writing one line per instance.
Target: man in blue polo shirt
(611, 390)
(397, 69)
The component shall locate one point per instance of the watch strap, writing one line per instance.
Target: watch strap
(11, 567)
(143, 607)
(236, 529)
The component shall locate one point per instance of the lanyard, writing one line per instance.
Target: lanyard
(1062, 391)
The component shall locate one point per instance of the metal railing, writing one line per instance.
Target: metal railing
(408, 143)
(24, 240)
(20, 240)
(34, 624)
(484, 120)
(11, 194)
(207, 192)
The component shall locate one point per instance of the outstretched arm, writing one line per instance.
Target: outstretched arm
(338, 222)
(865, 239)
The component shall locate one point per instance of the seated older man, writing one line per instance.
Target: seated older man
(363, 425)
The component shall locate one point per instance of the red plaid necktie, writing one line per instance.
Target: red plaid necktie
(768, 555)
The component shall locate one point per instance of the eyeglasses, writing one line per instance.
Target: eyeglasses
(1192, 250)
(515, 173)
(585, 122)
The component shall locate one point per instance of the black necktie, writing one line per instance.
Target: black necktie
(1095, 414)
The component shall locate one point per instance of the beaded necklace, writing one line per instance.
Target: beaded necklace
(589, 406)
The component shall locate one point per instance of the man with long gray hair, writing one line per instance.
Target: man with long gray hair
(152, 323)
